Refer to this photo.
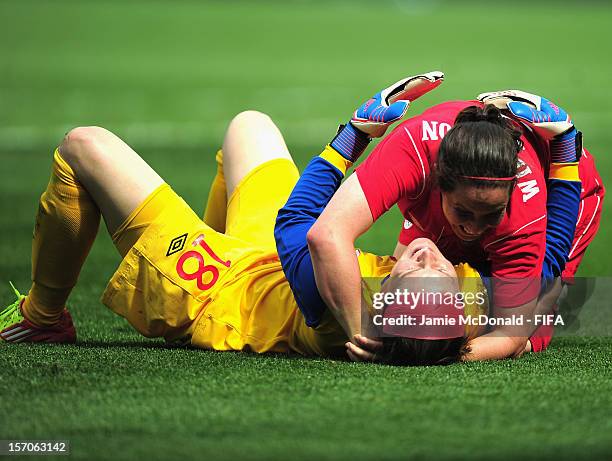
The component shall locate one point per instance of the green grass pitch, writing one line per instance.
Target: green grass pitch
(167, 77)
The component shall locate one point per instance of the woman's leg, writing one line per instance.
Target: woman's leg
(115, 176)
(215, 213)
(93, 171)
(251, 139)
(259, 173)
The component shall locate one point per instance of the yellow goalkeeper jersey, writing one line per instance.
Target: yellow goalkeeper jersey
(184, 280)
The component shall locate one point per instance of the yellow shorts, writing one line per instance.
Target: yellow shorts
(174, 264)
(251, 209)
(254, 204)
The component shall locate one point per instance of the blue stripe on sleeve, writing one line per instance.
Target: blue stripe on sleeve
(313, 191)
(562, 209)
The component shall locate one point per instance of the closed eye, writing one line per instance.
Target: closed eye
(496, 216)
(463, 214)
(410, 270)
(445, 271)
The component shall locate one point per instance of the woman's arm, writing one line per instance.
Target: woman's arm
(316, 247)
(564, 187)
(562, 206)
(312, 240)
(331, 242)
(313, 191)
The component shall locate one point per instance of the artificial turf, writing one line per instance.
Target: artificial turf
(168, 77)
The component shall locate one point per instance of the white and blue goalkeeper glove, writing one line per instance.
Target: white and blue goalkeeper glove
(547, 119)
(373, 117)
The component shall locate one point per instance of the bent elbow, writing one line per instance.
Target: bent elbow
(322, 236)
(315, 235)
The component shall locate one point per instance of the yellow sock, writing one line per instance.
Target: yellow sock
(66, 225)
(216, 206)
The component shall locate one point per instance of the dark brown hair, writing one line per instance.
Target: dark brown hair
(412, 352)
(482, 143)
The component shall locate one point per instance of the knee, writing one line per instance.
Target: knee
(250, 132)
(81, 143)
(249, 118)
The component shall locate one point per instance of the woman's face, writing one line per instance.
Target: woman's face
(472, 211)
(421, 258)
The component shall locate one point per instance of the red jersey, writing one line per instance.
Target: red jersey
(399, 170)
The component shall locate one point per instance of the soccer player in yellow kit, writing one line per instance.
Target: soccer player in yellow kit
(216, 284)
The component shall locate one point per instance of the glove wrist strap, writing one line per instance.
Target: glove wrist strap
(566, 147)
(350, 142)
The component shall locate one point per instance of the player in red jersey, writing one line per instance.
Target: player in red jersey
(483, 201)
(511, 240)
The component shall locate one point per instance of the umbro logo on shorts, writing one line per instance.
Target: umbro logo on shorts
(177, 244)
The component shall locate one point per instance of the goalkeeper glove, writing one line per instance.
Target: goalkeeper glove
(547, 119)
(373, 117)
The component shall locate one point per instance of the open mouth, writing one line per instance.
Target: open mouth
(465, 235)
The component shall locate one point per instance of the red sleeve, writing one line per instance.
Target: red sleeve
(398, 167)
(516, 268)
